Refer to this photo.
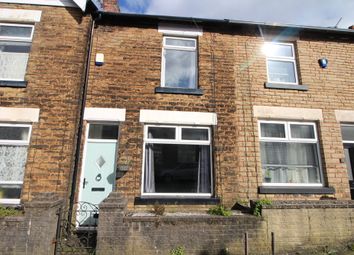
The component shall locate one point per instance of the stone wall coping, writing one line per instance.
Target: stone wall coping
(43, 204)
(13, 218)
(44, 200)
(308, 204)
(115, 200)
(191, 219)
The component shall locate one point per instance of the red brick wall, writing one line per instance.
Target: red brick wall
(55, 74)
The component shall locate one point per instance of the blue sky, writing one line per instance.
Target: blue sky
(325, 13)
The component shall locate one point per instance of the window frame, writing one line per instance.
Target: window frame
(347, 143)
(17, 39)
(178, 141)
(15, 143)
(180, 48)
(348, 125)
(283, 59)
(289, 139)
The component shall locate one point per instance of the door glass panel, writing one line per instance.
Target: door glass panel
(103, 131)
(347, 133)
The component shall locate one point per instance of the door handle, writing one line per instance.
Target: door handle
(84, 183)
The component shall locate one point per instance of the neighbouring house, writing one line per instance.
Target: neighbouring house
(187, 113)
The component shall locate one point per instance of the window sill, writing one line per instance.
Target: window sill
(13, 84)
(295, 190)
(165, 90)
(270, 85)
(176, 201)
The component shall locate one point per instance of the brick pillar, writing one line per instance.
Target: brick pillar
(41, 219)
(111, 233)
(111, 5)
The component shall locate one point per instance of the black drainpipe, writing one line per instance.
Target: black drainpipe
(81, 119)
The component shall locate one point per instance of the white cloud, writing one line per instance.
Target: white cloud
(324, 13)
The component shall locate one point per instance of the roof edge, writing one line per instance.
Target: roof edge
(164, 18)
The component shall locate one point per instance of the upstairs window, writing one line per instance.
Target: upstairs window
(177, 161)
(281, 64)
(15, 44)
(289, 153)
(179, 63)
(14, 140)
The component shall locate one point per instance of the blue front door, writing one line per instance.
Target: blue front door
(99, 168)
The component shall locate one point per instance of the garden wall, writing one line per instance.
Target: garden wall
(33, 232)
(297, 226)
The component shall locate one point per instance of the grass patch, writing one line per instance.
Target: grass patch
(8, 211)
(220, 210)
(179, 250)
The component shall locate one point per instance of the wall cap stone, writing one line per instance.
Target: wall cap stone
(115, 200)
(13, 219)
(44, 200)
(310, 204)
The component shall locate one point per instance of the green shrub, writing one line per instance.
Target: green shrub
(8, 211)
(159, 209)
(259, 204)
(179, 250)
(219, 210)
(351, 247)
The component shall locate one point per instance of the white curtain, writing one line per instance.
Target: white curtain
(290, 162)
(149, 169)
(204, 185)
(12, 162)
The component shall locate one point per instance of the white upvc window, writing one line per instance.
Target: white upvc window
(290, 153)
(179, 62)
(15, 45)
(177, 161)
(14, 141)
(347, 131)
(281, 63)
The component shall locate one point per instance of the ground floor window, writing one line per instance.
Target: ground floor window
(177, 161)
(14, 140)
(289, 153)
(348, 144)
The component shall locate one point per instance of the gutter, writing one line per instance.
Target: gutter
(155, 19)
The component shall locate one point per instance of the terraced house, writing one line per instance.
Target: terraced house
(126, 112)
